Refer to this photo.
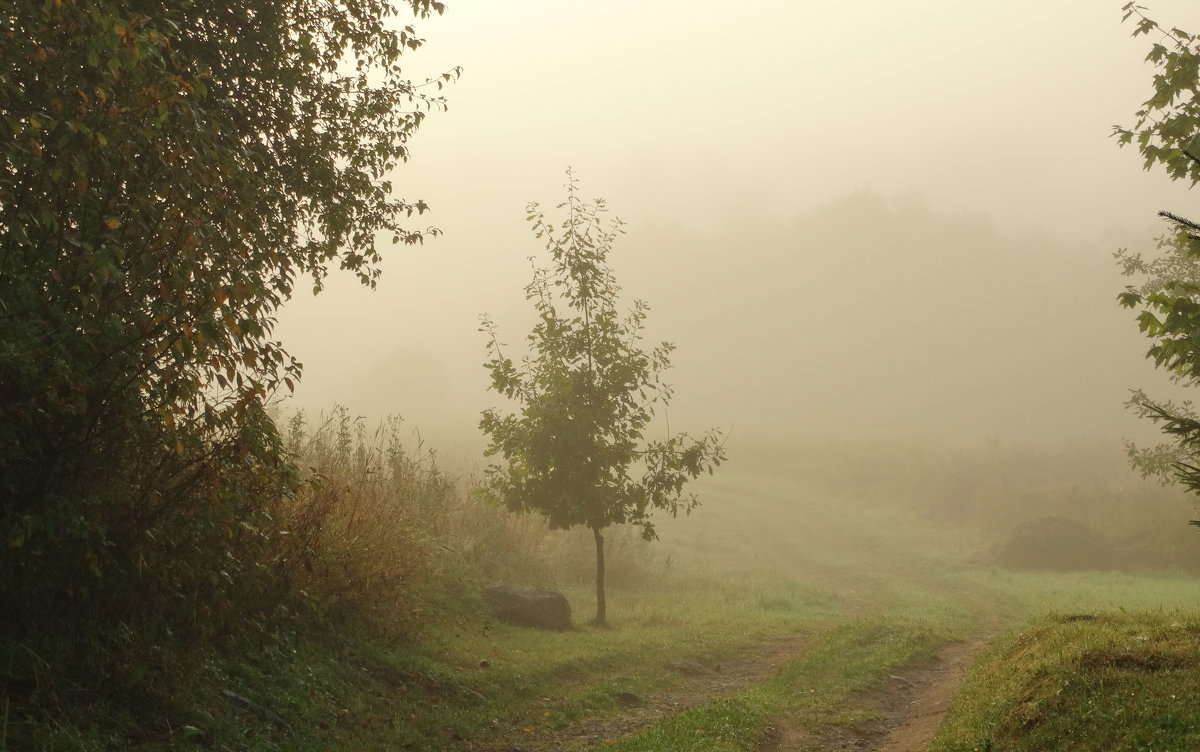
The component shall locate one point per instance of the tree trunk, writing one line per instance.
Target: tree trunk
(600, 604)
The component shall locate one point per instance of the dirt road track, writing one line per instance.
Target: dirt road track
(910, 707)
(933, 691)
(698, 684)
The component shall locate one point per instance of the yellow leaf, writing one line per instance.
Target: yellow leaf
(179, 447)
(112, 223)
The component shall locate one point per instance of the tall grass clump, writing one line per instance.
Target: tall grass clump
(376, 534)
(362, 537)
(496, 545)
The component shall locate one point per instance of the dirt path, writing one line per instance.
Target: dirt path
(910, 707)
(698, 684)
(933, 689)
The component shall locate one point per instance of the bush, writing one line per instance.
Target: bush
(1056, 543)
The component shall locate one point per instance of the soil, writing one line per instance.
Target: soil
(910, 707)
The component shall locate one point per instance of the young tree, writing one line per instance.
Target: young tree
(169, 171)
(575, 451)
(1167, 134)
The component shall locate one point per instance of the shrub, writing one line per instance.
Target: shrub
(1057, 543)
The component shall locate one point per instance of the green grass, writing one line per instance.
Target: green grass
(350, 692)
(874, 587)
(870, 587)
(356, 694)
(693, 619)
(887, 561)
(1112, 681)
(544, 680)
(900, 608)
(815, 691)
(1026, 595)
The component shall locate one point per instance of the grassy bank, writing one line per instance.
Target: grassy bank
(1084, 682)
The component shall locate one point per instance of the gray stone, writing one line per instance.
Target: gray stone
(544, 609)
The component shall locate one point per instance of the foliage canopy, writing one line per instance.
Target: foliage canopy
(1166, 132)
(169, 172)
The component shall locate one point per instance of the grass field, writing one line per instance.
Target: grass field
(765, 563)
(907, 591)
(871, 587)
(855, 589)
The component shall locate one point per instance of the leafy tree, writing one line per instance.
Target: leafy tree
(1167, 134)
(169, 172)
(1161, 277)
(575, 452)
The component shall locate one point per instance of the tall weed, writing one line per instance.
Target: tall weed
(378, 534)
(359, 537)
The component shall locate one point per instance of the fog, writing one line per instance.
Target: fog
(858, 219)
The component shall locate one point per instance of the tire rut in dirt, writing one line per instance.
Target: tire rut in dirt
(910, 707)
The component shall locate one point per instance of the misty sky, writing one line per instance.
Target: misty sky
(857, 218)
